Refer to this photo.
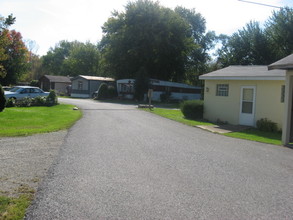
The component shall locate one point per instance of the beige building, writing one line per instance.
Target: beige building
(244, 94)
(286, 64)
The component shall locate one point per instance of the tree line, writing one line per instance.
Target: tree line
(149, 40)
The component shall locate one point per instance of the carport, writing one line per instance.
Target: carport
(286, 64)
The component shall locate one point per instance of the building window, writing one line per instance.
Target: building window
(79, 85)
(282, 93)
(222, 90)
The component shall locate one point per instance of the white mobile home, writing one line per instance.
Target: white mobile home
(85, 86)
(178, 91)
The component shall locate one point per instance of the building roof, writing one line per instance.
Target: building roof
(157, 82)
(60, 79)
(95, 78)
(245, 73)
(284, 64)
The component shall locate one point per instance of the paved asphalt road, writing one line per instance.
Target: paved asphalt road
(118, 162)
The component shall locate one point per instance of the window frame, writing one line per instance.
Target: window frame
(222, 90)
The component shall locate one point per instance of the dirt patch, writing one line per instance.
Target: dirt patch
(24, 161)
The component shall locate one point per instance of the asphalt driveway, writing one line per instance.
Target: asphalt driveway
(118, 162)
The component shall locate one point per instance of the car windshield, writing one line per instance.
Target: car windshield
(15, 89)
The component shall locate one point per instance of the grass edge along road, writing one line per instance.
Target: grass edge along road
(14, 208)
(22, 121)
(250, 134)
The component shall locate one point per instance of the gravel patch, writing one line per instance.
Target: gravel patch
(24, 161)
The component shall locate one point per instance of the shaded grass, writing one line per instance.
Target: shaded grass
(176, 115)
(31, 120)
(249, 134)
(259, 136)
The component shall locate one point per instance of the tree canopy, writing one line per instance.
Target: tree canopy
(4, 24)
(254, 45)
(150, 36)
(72, 58)
(13, 54)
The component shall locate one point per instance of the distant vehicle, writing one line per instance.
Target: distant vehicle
(20, 92)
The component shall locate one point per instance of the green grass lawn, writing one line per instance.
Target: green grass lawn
(14, 208)
(176, 115)
(31, 120)
(256, 135)
(250, 134)
(27, 121)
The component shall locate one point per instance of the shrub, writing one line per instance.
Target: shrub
(39, 101)
(25, 102)
(192, 109)
(34, 83)
(10, 103)
(102, 92)
(52, 99)
(2, 99)
(267, 125)
(112, 92)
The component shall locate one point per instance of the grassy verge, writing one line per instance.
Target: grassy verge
(31, 120)
(176, 115)
(250, 134)
(14, 208)
(27, 121)
(259, 136)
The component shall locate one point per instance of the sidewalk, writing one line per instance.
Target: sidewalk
(222, 129)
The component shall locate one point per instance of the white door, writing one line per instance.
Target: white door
(247, 105)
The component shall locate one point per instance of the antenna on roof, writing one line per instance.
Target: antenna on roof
(257, 3)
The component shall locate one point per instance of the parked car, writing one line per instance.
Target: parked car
(20, 92)
(7, 88)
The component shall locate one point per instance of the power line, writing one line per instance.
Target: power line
(257, 3)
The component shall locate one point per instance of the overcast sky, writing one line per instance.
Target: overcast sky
(49, 21)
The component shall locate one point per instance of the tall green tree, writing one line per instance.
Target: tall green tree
(72, 58)
(254, 45)
(141, 84)
(147, 36)
(203, 41)
(249, 46)
(83, 59)
(279, 29)
(52, 62)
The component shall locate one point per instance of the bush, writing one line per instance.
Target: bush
(192, 109)
(2, 99)
(25, 102)
(102, 92)
(112, 92)
(10, 103)
(52, 99)
(34, 83)
(39, 101)
(267, 125)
